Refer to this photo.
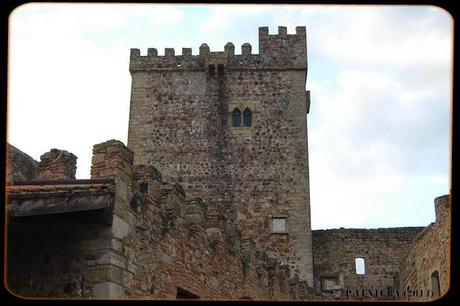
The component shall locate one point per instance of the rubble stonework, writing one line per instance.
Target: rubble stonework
(181, 122)
(20, 166)
(335, 252)
(195, 207)
(126, 233)
(428, 257)
(132, 236)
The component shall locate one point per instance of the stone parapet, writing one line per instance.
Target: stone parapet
(57, 165)
(282, 50)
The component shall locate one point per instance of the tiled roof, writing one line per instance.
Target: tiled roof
(64, 186)
(58, 197)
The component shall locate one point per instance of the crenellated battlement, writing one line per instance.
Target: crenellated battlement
(280, 50)
(182, 120)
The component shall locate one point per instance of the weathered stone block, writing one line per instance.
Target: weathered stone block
(103, 273)
(120, 229)
(108, 290)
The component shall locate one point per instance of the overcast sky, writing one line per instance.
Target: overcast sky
(379, 76)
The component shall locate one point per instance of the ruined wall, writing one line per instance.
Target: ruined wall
(152, 241)
(193, 252)
(54, 165)
(170, 241)
(335, 250)
(19, 166)
(180, 122)
(57, 165)
(429, 254)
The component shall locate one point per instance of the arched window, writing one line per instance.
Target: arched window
(435, 286)
(236, 117)
(247, 117)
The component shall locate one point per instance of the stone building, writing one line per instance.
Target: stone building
(219, 119)
(210, 199)
(124, 233)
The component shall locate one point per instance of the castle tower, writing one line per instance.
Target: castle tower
(232, 129)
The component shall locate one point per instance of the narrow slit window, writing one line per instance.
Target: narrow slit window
(220, 70)
(435, 285)
(236, 117)
(212, 70)
(247, 117)
(360, 266)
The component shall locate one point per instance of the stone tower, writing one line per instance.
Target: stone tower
(232, 129)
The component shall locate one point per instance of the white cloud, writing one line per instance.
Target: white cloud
(379, 81)
(371, 36)
(370, 137)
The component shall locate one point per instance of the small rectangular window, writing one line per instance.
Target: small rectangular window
(279, 225)
(330, 283)
(360, 266)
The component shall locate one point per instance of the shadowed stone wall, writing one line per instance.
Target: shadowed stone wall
(58, 254)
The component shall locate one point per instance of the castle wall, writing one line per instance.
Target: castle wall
(170, 242)
(57, 254)
(429, 254)
(20, 166)
(335, 251)
(148, 240)
(180, 122)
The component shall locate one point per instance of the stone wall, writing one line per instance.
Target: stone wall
(167, 242)
(128, 234)
(54, 165)
(180, 121)
(57, 165)
(54, 253)
(19, 166)
(428, 260)
(335, 251)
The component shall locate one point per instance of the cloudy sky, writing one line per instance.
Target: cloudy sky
(379, 76)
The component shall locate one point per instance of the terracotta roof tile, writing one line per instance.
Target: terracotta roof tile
(49, 187)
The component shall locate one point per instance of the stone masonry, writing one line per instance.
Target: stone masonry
(126, 233)
(335, 252)
(210, 199)
(424, 269)
(181, 122)
(20, 166)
